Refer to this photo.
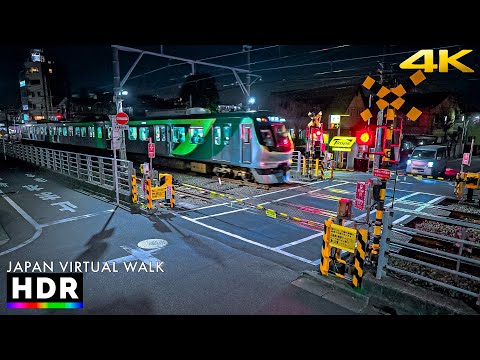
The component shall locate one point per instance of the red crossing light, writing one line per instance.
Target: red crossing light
(365, 137)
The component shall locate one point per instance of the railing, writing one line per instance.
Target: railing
(92, 169)
(418, 259)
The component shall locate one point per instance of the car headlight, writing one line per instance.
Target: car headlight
(430, 164)
(409, 162)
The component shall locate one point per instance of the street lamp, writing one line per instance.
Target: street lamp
(251, 100)
(124, 92)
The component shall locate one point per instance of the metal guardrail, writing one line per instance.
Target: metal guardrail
(92, 169)
(455, 259)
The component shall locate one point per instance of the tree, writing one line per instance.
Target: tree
(202, 89)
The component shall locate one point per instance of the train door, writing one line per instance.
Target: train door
(246, 143)
(169, 130)
(161, 139)
(221, 142)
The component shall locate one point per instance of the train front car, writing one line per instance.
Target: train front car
(272, 153)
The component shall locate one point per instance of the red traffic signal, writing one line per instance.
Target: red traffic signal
(365, 137)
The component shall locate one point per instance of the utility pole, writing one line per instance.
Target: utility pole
(248, 84)
(118, 100)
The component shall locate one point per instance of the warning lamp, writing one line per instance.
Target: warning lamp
(365, 137)
(319, 132)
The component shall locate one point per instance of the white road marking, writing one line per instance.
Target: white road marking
(317, 262)
(40, 180)
(262, 204)
(66, 206)
(47, 195)
(61, 221)
(3, 184)
(433, 201)
(374, 210)
(220, 214)
(406, 182)
(32, 187)
(27, 217)
(260, 195)
(246, 240)
(313, 236)
(401, 219)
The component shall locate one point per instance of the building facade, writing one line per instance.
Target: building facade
(35, 82)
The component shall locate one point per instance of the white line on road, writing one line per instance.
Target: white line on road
(428, 203)
(401, 219)
(265, 194)
(313, 236)
(61, 221)
(262, 204)
(246, 240)
(406, 182)
(27, 217)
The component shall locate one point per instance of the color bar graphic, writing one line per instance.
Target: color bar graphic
(44, 305)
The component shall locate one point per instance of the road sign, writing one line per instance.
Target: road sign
(343, 237)
(466, 159)
(383, 174)
(360, 195)
(168, 192)
(151, 150)
(158, 193)
(121, 118)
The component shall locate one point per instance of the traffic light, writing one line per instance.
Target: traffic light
(365, 137)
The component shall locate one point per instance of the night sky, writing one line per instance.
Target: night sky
(281, 67)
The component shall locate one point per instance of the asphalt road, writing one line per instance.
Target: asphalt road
(221, 258)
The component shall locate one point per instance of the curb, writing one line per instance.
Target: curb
(389, 293)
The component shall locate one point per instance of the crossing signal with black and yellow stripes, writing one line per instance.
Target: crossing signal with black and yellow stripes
(393, 96)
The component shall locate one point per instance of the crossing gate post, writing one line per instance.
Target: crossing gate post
(149, 194)
(325, 259)
(316, 167)
(322, 174)
(134, 189)
(304, 165)
(384, 243)
(359, 258)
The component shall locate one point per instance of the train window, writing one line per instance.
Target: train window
(77, 131)
(218, 135)
(70, 131)
(157, 133)
(132, 133)
(99, 132)
(41, 130)
(91, 131)
(83, 131)
(144, 132)
(64, 131)
(109, 132)
(226, 134)
(196, 135)
(178, 134)
(163, 132)
(247, 135)
(267, 137)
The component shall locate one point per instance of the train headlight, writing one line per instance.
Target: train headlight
(409, 162)
(430, 164)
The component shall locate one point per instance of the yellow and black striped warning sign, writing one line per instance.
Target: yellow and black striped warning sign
(134, 190)
(359, 258)
(393, 96)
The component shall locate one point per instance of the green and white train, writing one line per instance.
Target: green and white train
(249, 145)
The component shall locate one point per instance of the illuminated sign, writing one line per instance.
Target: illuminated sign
(334, 119)
(342, 141)
(342, 149)
(22, 83)
(39, 117)
(271, 119)
(24, 107)
(25, 117)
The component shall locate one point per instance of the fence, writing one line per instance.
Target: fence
(301, 169)
(91, 169)
(460, 272)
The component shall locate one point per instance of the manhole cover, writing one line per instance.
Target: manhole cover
(150, 244)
